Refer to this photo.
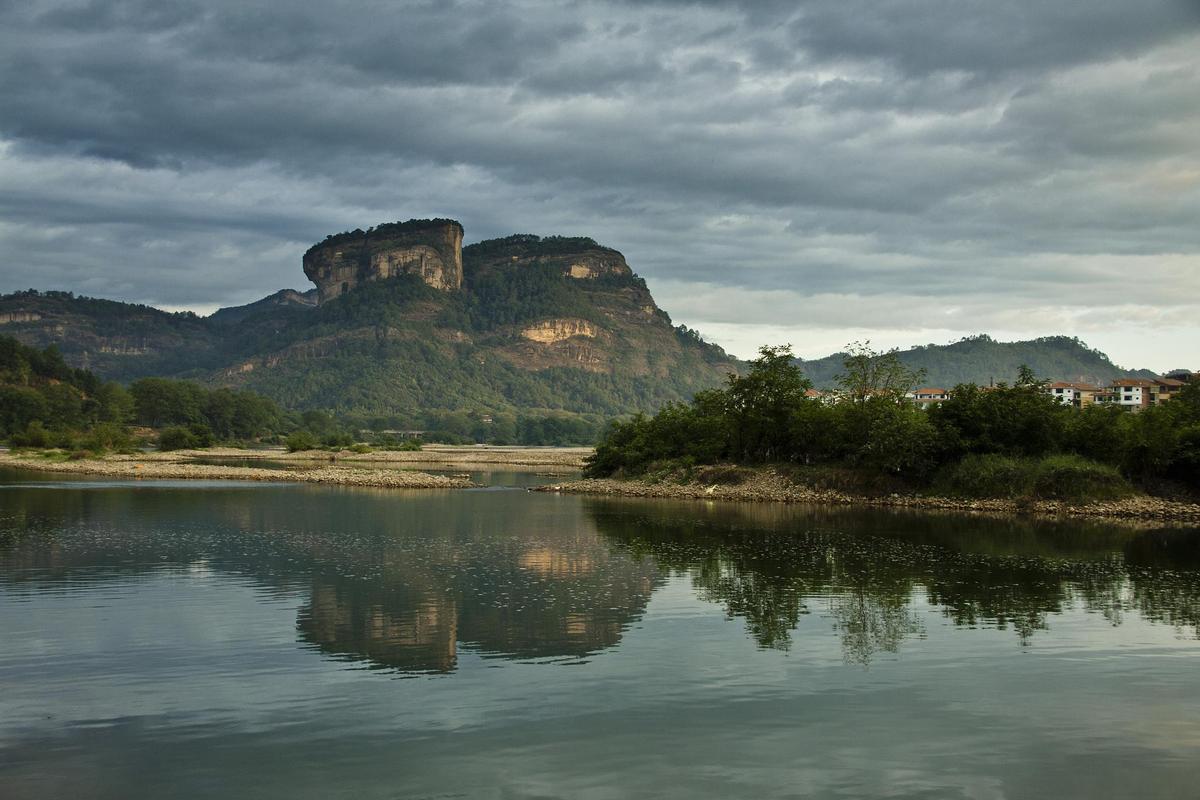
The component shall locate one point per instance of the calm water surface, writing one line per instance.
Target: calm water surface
(185, 640)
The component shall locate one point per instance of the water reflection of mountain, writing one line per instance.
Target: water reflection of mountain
(567, 595)
(773, 564)
(401, 581)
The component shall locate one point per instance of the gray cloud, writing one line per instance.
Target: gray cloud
(1030, 154)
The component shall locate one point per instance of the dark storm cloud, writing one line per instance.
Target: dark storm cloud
(986, 38)
(1039, 151)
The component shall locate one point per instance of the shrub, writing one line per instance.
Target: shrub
(1074, 478)
(202, 435)
(177, 438)
(852, 480)
(340, 439)
(983, 476)
(301, 440)
(1061, 477)
(35, 435)
(361, 448)
(107, 436)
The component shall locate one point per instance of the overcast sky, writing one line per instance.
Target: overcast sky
(813, 172)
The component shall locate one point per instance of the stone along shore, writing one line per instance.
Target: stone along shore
(768, 486)
(161, 466)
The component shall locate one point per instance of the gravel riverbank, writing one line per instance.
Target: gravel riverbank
(768, 486)
(161, 466)
(443, 456)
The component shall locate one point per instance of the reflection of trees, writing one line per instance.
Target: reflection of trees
(870, 625)
(770, 565)
(403, 581)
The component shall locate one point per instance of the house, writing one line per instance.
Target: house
(1140, 393)
(1164, 389)
(826, 397)
(928, 396)
(1079, 395)
(1131, 393)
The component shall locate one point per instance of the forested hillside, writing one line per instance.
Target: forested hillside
(983, 360)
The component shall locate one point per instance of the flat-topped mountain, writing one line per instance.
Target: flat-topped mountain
(405, 319)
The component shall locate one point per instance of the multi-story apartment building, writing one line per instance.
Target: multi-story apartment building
(1079, 395)
(1139, 393)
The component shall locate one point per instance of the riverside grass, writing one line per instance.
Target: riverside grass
(1065, 477)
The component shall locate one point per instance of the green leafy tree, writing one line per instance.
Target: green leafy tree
(760, 405)
(872, 373)
(176, 438)
(115, 404)
(301, 440)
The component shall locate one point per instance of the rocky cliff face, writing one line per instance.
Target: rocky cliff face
(429, 249)
(557, 330)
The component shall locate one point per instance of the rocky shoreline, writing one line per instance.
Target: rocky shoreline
(768, 486)
(163, 467)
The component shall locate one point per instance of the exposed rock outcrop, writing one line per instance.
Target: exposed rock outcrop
(430, 249)
(10, 317)
(557, 330)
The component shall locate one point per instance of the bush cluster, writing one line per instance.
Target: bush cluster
(1056, 477)
(1002, 441)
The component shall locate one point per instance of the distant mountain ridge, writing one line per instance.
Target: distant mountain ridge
(983, 360)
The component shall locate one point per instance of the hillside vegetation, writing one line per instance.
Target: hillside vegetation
(983, 360)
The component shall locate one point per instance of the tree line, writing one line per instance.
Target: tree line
(46, 403)
(1005, 440)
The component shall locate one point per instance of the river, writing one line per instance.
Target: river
(220, 639)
